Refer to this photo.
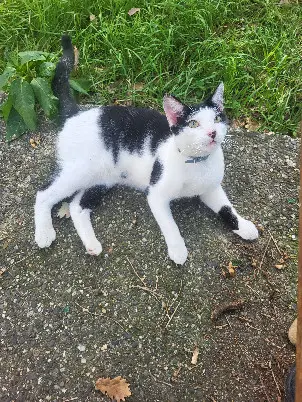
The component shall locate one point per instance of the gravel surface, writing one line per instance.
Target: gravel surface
(69, 318)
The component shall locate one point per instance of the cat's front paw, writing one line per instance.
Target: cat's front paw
(178, 253)
(45, 236)
(94, 248)
(247, 230)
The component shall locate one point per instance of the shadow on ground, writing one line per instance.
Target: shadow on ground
(69, 318)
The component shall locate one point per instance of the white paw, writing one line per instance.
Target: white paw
(45, 236)
(94, 248)
(247, 230)
(178, 253)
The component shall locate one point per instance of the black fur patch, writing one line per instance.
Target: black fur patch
(156, 172)
(229, 218)
(128, 128)
(54, 174)
(92, 197)
(189, 111)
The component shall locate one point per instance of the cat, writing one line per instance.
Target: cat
(167, 156)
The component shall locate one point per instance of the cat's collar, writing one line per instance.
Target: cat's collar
(197, 159)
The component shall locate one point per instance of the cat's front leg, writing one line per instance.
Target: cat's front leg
(219, 203)
(160, 208)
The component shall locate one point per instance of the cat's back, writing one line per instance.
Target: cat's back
(129, 128)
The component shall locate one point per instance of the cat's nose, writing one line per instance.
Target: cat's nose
(212, 134)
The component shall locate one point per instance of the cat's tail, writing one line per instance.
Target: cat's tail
(60, 83)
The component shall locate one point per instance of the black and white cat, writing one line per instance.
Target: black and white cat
(168, 156)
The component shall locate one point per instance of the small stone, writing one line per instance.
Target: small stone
(81, 348)
(292, 332)
(83, 360)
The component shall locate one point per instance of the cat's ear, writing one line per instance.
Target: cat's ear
(174, 109)
(217, 98)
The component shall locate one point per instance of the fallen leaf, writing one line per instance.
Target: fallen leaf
(133, 11)
(76, 57)
(2, 271)
(116, 388)
(254, 262)
(175, 373)
(139, 86)
(34, 141)
(231, 269)
(64, 211)
(195, 356)
(279, 266)
(251, 124)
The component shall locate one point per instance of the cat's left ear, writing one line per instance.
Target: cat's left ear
(174, 109)
(217, 98)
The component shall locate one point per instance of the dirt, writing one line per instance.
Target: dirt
(69, 318)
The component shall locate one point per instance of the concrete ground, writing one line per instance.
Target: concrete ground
(69, 318)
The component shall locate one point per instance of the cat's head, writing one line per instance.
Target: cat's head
(198, 129)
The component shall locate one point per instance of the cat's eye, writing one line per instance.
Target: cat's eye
(193, 124)
(217, 119)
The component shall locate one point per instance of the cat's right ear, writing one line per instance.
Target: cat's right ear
(174, 109)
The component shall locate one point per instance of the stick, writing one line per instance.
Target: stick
(275, 243)
(172, 315)
(157, 380)
(237, 305)
(263, 386)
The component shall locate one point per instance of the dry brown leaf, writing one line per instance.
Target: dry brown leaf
(139, 86)
(76, 57)
(231, 269)
(2, 271)
(133, 11)
(251, 124)
(64, 211)
(35, 141)
(195, 355)
(116, 388)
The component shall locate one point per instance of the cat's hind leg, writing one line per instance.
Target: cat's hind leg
(64, 185)
(80, 209)
(218, 201)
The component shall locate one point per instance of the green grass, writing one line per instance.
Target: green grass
(183, 47)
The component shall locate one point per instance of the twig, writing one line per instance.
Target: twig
(146, 289)
(263, 386)
(275, 243)
(157, 380)
(237, 305)
(24, 258)
(142, 281)
(264, 254)
(172, 315)
(86, 310)
(276, 382)
(177, 296)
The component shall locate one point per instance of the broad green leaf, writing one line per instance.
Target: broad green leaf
(32, 55)
(23, 98)
(6, 75)
(15, 125)
(44, 94)
(5, 107)
(77, 87)
(46, 69)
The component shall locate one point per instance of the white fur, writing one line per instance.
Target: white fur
(85, 162)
